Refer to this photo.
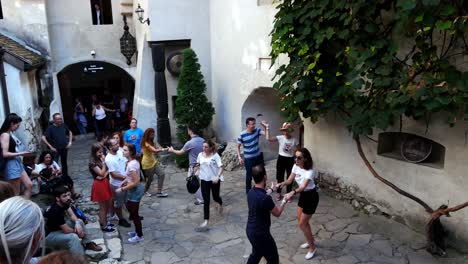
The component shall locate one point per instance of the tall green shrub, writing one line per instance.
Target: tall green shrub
(192, 105)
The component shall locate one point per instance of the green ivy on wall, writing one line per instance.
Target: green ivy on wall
(372, 61)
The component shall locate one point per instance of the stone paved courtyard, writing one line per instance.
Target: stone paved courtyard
(344, 236)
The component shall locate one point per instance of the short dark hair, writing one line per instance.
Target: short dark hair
(58, 191)
(249, 119)
(194, 129)
(56, 114)
(258, 173)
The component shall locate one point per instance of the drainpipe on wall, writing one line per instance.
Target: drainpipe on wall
(6, 103)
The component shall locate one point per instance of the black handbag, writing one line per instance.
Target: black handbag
(193, 183)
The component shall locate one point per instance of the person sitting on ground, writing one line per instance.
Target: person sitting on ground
(63, 234)
(21, 230)
(6, 191)
(49, 174)
(63, 257)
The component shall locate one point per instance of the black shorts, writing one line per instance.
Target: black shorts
(308, 201)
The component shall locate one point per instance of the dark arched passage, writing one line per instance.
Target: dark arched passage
(107, 81)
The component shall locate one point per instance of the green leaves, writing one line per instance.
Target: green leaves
(346, 57)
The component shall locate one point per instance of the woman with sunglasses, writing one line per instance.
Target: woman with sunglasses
(303, 173)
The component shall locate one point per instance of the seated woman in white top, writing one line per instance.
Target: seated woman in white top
(47, 170)
(210, 170)
(303, 174)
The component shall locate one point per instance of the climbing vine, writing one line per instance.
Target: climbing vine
(373, 62)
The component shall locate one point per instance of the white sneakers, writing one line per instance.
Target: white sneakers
(135, 239)
(310, 254)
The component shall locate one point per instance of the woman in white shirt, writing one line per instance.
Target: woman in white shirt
(303, 174)
(99, 113)
(210, 170)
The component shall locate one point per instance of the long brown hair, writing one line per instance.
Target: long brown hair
(131, 150)
(118, 133)
(211, 145)
(146, 138)
(308, 162)
(95, 148)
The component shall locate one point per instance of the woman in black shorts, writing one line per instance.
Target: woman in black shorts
(303, 173)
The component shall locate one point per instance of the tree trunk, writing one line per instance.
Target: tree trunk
(435, 231)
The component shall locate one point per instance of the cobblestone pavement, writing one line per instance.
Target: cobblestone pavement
(343, 234)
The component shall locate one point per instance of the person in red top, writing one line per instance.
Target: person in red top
(100, 191)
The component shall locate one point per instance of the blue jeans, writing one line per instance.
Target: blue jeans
(81, 128)
(249, 163)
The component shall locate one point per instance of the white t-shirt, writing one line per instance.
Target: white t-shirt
(41, 166)
(100, 113)
(209, 166)
(286, 146)
(116, 163)
(132, 166)
(302, 175)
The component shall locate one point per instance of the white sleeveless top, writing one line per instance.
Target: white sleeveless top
(100, 113)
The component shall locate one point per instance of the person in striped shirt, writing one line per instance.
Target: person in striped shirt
(249, 140)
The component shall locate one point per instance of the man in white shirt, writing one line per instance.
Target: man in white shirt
(115, 162)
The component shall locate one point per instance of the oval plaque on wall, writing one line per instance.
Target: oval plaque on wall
(415, 149)
(174, 63)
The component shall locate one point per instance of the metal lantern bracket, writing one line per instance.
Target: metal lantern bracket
(139, 11)
(127, 43)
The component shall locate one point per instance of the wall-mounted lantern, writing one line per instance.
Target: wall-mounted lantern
(127, 43)
(139, 11)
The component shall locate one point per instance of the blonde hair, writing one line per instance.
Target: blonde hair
(21, 222)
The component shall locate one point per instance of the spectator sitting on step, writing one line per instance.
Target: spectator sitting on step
(49, 174)
(63, 234)
(21, 230)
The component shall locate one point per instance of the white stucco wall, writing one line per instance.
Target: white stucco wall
(26, 20)
(22, 95)
(73, 36)
(334, 151)
(184, 19)
(239, 37)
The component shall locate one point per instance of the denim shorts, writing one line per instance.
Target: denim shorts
(13, 168)
(135, 194)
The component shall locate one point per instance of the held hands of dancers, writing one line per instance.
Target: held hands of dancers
(215, 180)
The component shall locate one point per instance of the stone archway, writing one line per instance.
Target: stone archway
(85, 78)
(264, 101)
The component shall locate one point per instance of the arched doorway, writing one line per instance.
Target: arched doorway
(264, 101)
(84, 79)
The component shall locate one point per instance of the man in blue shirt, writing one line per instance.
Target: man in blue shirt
(134, 135)
(249, 139)
(261, 205)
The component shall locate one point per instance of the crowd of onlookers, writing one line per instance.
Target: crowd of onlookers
(115, 164)
(118, 163)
